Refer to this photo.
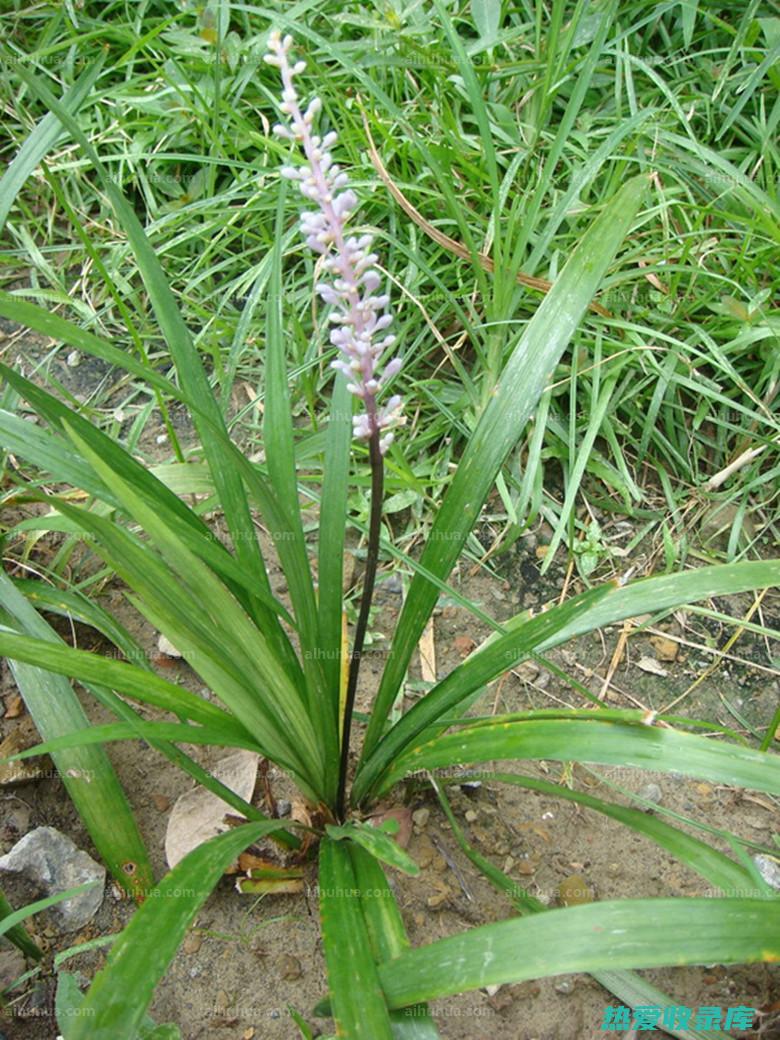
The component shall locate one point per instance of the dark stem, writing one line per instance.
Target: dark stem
(369, 577)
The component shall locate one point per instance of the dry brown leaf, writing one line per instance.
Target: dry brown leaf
(199, 815)
(427, 649)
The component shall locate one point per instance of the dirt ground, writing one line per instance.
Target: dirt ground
(247, 960)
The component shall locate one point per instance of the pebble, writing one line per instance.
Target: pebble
(651, 793)
(769, 869)
(192, 943)
(420, 817)
(161, 803)
(471, 815)
(73, 359)
(283, 807)
(289, 967)
(565, 986)
(49, 859)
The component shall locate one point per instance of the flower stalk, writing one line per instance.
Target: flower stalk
(359, 318)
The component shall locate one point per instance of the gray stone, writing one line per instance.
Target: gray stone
(651, 793)
(283, 807)
(565, 986)
(769, 869)
(50, 860)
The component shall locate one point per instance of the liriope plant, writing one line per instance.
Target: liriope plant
(276, 668)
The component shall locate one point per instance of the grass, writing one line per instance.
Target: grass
(508, 141)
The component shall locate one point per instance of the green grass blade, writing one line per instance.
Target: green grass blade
(121, 992)
(87, 773)
(501, 424)
(599, 740)
(635, 933)
(358, 1005)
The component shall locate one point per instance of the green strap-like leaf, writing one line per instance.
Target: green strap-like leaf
(631, 933)
(502, 423)
(86, 772)
(598, 740)
(498, 656)
(388, 939)
(332, 532)
(52, 325)
(627, 986)
(358, 1004)
(115, 1005)
(577, 616)
(280, 459)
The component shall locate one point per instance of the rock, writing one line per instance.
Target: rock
(420, 817)
(471, 815)
(283, 807)
(289, 967)
(50, 860)
(665, 649)
(651, 793)
(192, 943)
(565, 986)
(161, 803)
(769, 869)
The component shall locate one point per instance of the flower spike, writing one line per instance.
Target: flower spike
(360, 313)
